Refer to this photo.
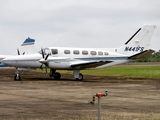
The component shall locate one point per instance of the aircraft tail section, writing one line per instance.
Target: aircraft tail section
(28, 41)
(139, 42)
(27, 47)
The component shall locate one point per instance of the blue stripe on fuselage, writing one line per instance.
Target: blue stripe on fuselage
(90, 59)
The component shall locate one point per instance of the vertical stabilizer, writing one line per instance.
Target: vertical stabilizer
(27, 47)
(139, 42)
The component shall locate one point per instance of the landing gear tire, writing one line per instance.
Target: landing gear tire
(17, 77)
(80, 77)
(57, 76)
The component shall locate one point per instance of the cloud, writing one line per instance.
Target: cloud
(85, 23)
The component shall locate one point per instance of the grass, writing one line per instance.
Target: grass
(140, 71)
(130, 71)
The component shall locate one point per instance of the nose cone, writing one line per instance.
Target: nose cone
(43, 61)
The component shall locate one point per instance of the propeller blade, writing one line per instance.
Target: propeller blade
(43, 60)
(41, 66)
(42, 53)
(18, 51)
(46, 56)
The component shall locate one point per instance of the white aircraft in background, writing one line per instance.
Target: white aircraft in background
(76, 59)
(27, 47)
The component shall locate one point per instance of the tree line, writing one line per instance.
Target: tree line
(154, 57)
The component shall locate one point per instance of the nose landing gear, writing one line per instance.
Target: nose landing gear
(17, 76)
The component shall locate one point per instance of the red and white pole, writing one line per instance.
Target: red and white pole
(99, 95)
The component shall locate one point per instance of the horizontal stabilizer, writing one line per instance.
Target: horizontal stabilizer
(143, 54)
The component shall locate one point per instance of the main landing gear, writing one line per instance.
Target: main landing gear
(77, 75)
(80, 78)
(57, 75)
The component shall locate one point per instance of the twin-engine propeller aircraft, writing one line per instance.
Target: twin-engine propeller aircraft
(27, 47)
(76, 59)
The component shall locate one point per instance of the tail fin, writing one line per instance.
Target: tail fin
(27, 47)
(139, 42)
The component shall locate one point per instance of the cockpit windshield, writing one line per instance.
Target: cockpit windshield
(46, 51)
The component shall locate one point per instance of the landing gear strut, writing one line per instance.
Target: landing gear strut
(17, 76)
(77, 75)
(55, 74)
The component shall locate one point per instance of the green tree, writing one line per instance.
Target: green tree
(155, 57)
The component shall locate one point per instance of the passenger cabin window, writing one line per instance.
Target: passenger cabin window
(84, 52)
(93, 53)
(67, 51)
(76, 52)
(100, 53)
(54, 51)
(105, 53)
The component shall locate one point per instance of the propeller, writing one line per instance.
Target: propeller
(18, 51)
(44, 60)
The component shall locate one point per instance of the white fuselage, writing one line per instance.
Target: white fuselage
(63, 58)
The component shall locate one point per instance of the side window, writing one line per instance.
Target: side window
(76, 52)
(105, 53)
(54, 51)
(67, 51)
(84, 52)
(93, 53)
(100, 53)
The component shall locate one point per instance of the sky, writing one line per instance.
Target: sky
(75, 23)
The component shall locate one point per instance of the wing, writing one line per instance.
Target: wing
(88, 64)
